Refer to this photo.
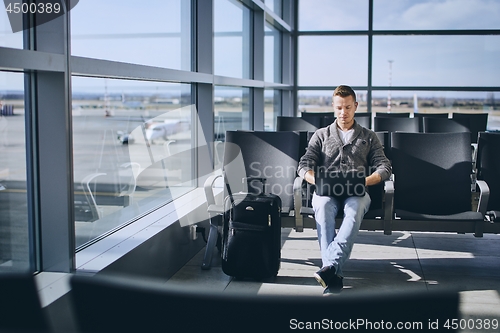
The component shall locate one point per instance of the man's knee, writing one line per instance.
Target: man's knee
(323, 203)
(361, 204)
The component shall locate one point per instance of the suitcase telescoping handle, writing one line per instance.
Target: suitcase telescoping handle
(247, 179)
(251, 179)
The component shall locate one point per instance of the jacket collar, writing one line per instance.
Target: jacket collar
(334, 129)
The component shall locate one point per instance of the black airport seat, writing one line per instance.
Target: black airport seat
(20, 307)
(284, 123)
(393, 114)
(363, 119)
(442, 125)
(254, 154)
(108, 304)
(431, 115)
(397, 124)
(475, 122)
(317, 114)
(384, 137)
(433, 183)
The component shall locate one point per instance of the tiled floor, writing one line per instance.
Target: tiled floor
(403, 261)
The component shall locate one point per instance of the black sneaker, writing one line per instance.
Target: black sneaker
(335, 286)
(324, 275)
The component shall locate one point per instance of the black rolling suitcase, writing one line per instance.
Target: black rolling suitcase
(251, 234)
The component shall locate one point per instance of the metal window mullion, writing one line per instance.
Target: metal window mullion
(257, 46)
(271, 16)
(278, 57)
(120, 70)
(437, 32)
(409, 88)
(287, 61)
(248, 41)
(54, 157)
(185, 34)
(295, 52)
(437, 88)
(32, 172)
(256, 96)
(399, 32)
(287, 75)
(286, 58)
(203, 61)
(34, 232)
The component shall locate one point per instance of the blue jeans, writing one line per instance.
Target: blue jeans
(336, 247)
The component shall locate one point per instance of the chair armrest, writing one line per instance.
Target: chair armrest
(208, 187)
(474, 152)
(215, 209)
(388, 206)
(297, 190)
(297, 203)
(484, 195)
(388, 188)
(306, 211)
(494, 215)
(89, 195)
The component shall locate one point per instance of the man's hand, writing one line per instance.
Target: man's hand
(309, 177)
(373, 179)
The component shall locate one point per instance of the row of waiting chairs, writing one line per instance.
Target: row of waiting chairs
(386, 123)
(313, 121)
(108, 304)
(430, 191)
(391, 122)
(474, 124)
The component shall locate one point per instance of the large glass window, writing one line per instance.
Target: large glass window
(426, 102)
(321, 101)
(231, 109)
(232, 37)
(432, 14)
(276, 6)
(156, 32)
(14, 227)
(272, 108)
(133, 150)
(7, 37)
(333, 15)
(436, 60)
(333, 60)
(272, 54)
(231, 113)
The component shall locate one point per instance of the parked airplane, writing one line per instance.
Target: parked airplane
(157, 130)
(165, 129)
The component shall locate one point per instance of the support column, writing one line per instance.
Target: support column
(54, 151)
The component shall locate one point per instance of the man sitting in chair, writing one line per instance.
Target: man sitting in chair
(340, 147)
